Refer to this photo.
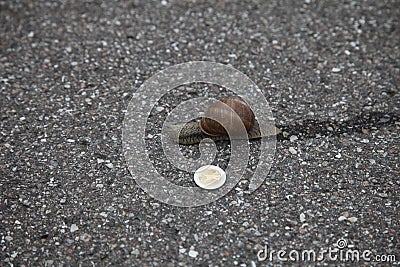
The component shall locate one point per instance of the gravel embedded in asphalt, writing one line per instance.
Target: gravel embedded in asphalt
(69, 69)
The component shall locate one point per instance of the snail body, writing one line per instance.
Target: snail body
(223, 111)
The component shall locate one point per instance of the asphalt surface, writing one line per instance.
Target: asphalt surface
(69, 69)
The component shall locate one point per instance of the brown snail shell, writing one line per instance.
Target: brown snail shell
(225, 114)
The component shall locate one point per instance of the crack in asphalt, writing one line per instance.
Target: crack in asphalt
(362, 123)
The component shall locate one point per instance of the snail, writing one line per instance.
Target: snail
(194, 132)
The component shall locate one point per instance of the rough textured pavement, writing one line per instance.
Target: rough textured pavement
(69, 68)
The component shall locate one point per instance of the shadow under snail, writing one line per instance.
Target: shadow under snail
(223, 110)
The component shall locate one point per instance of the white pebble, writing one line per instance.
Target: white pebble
(336, 70)
(342, 218)
(352, 219)
(292, 150)
(110, 165)
(293, 138)
(73, 228)
(302, 217)
(193, 254)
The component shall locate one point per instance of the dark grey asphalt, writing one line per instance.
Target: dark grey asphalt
(69, 68)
